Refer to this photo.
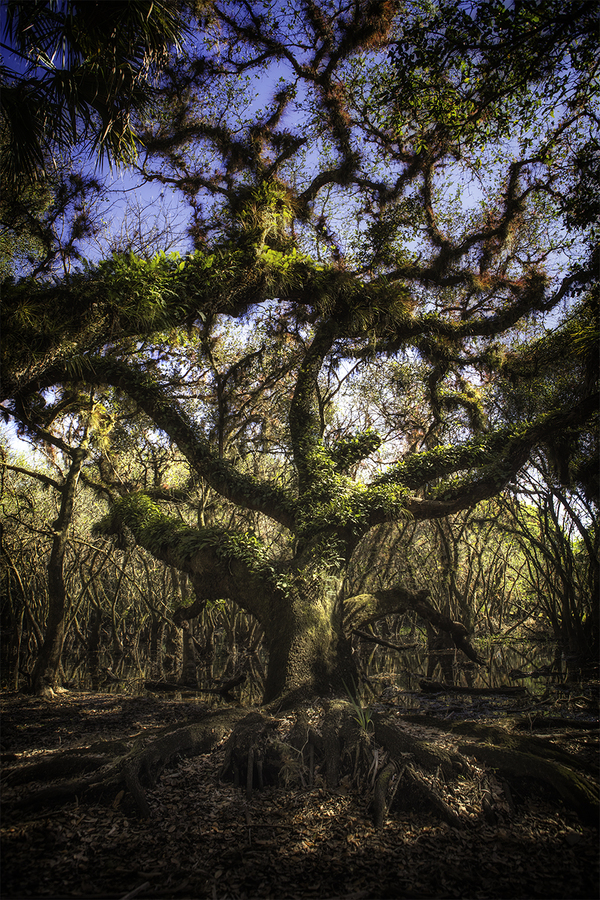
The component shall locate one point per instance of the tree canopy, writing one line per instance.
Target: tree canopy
(390, 302)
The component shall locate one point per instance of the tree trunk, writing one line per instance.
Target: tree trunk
(93, 647)
(309, 653)
(18, 639)
(440, 652)
(47, 667)
(156, 647)
(189, 673)
(173, 650)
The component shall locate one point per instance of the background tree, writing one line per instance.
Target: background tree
(74, 77)
(557, 531)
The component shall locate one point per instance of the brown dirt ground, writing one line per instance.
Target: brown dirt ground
(205, 840)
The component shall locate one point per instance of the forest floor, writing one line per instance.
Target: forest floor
(205, 839)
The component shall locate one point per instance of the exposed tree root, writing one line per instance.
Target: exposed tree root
(400, 743)
(417, 759)
(522, 760)
(342, 749)
(254, 755)
(436, 687)
(124, 771)
(575, 790)
(391, 764)
(382, 796)
(414, 792)
(541, 723)
(67, 763)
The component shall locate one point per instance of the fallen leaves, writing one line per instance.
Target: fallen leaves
(205, 841)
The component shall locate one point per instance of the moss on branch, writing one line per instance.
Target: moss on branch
(366, 609)
(181, 544)
(419, 468)
(349, 451)
(339, 503)
(495, 456)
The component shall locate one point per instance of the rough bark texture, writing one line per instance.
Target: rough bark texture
(575, 790)
(309, 653)
(366, 609)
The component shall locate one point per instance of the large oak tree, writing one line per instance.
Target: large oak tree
(332, 237)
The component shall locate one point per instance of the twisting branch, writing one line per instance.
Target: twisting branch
(366, 609)
(244, 490)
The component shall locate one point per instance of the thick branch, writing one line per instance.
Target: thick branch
(222, 564)
(364, 636)
(243, 490)
(497, 456)
(40, 476)
(365, 609)
(306, 425)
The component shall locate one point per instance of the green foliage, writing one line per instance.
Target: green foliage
(362, 715)
(469, 399)
(419, 468)
(20, 237)
(142, 292)
(384, 244)
(334, 500)
(162, 535)
(483, 71)
(349, 451)
(90, 68)
(262, 216)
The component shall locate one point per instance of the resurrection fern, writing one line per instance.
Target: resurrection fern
(159, 534)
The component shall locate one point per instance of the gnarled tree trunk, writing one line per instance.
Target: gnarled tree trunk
(300, 604)
(309, 652)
